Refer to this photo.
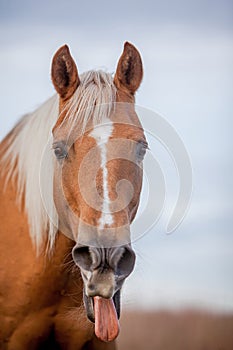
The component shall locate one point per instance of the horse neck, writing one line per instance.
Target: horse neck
(14, 220)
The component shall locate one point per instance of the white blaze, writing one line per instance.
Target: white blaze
(102, 134)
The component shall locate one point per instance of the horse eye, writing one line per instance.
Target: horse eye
(60, 150)
(141, 150)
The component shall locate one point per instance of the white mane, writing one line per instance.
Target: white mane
(29, 146)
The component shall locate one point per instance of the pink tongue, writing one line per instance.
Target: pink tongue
(106, 321)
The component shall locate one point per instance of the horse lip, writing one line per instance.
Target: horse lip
(89, 305)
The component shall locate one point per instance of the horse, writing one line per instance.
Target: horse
(71, 177)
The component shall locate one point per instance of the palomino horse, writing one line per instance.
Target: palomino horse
(65, 239)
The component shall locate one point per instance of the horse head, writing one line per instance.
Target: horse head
(99, 145)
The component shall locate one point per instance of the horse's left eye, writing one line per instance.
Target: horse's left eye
(60, 151)
(141, 150)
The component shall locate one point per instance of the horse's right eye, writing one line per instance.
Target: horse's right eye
(60, 150)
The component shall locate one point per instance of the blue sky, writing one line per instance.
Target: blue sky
(187, 50)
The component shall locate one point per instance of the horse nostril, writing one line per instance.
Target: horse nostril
(119, 259)
(126, 262)
(82, 257)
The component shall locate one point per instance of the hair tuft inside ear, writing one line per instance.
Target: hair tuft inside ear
(64, 73)
(129, 69)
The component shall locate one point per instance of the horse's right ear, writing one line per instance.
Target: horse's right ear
(64, 73)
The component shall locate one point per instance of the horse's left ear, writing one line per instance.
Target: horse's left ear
(64, 73)
(129, 69)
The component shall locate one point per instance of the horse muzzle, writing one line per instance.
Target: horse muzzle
(103, 271)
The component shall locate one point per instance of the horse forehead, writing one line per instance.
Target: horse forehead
(125, 129)
(102, 133)
(109, 138)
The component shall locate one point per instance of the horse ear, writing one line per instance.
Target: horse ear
(129, 69)
(64, 73)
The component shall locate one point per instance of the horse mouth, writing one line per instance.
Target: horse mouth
(89, 305)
